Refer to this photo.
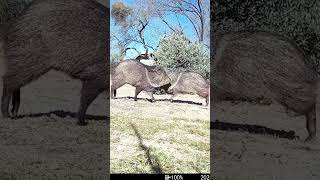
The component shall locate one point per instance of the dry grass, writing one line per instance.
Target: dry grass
(162, 137)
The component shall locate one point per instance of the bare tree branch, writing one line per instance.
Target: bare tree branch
(194, 11)
(193, 24)
(141, 33)
(166, 22)
(180, 27)
(128, 48)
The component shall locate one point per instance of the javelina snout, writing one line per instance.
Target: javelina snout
(251, 65)
(163, 89)
(68, 36)
(142, 77)
(169, 91)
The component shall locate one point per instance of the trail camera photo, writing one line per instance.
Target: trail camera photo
(159, 107)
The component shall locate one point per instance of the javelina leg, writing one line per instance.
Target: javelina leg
(172, 96)
(207, 100)
(8, 91)
(138, 90)
(114, 93)
(89, 92)
(5, 100)
(151, 95)
(114, 88)
(15, 103)
(13, 81)
(311, 125)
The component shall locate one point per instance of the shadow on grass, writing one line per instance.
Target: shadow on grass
(174, 101)
(253, 129)
(152, 160)
(63, 114)
(196, 169)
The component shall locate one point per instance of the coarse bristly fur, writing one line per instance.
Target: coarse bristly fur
(67, 36)
(144, 78)
(188, 83)
(251, 65)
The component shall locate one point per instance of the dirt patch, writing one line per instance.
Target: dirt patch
(243, 155)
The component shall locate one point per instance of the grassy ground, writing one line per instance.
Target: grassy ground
(244, 156)
(162, 137)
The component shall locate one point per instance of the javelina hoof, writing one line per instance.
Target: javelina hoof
(5, 115)
(82, 123)
(310, 138)
(14, 117)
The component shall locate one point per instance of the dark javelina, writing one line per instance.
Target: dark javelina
(68, 36)
(253, 65)
(147, 78)
(188, 83)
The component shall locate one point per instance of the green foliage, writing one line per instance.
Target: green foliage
(115, 57)
(120, 12)
(296, 19)
(178, 53)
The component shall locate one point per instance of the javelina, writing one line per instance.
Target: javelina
(68, 36)
(147, 78)
(253, 65)
(188, 83)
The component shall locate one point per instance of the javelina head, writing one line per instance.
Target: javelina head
(164, 88)
(162, 77)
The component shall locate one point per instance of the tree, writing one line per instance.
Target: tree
(131, 22)
(115, 57)
(178, 53)
(197, 12)
(120, 12)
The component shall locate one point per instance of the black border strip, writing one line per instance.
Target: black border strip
(162, 176)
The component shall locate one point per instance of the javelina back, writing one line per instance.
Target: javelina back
(147, 78)
(253, 65)
(68, 36)
(188, 83)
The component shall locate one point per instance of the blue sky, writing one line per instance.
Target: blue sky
(150, 36)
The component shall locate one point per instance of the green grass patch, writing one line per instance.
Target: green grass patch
(149, 145)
